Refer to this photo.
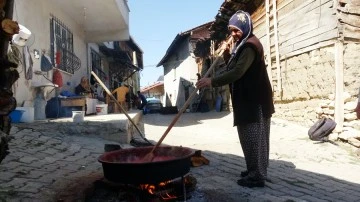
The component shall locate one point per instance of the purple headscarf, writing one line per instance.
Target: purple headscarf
(241, 20)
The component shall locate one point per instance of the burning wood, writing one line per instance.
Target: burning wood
(173, 189)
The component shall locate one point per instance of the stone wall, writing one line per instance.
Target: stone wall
(307, 79)
(308, 83)
(352, 69)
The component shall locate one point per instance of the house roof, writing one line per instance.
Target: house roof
(134, 45)
(156, 84)
(195, 33)
(218, 29)
(121, 58)
(87, 14)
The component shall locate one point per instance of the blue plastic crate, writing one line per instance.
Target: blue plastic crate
(16, 116)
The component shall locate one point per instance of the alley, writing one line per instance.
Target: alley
(44, 165)
(300, 169)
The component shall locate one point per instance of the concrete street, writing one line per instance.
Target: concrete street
(43, 166)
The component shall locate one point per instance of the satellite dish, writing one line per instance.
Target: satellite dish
(21, 38)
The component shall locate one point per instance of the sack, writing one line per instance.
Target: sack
(53, 108)
(45, 64)
(321, 129)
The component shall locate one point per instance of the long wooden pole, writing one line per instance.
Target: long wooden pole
(268, 47)
(118, 104)
(339, 86)
(213, 65)
(277, 52)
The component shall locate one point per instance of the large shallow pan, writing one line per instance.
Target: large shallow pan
(126, 166)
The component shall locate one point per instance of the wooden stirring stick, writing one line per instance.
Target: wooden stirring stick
(150, 156)
(118, 104)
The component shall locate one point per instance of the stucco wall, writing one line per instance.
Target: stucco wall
(180, 67)
(309, 85)
(35, 15)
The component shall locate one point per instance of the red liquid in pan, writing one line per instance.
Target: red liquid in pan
(138, 156)
(155, 159)
(138, 159)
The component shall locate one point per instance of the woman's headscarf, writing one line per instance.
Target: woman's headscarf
(241, 20)
(84, 82)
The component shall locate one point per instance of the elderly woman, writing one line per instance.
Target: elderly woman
(84, 87)
(251, 95)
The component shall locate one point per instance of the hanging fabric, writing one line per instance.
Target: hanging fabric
(57, 78)
(45, 64)
(58, 57)
(28, 63)
(14, 55)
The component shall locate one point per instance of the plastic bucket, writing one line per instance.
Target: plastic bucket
(28, 115)
(78, 116)
(101, 109)
(16, 115)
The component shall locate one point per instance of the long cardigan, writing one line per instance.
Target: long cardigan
(251, 89)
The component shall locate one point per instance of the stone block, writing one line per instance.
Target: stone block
(333, 136)
(349, 133)
(350, 106)
(350, 116)
(355, 142)
(113, 127)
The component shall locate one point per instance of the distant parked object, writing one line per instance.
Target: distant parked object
(153, 105)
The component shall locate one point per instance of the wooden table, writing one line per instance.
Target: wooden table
(74, 102)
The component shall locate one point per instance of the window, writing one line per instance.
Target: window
(62, 47)
(96, 65)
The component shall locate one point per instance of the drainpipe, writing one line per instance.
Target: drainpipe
(87, 59)
(135, 63)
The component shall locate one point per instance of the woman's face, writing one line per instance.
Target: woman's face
(236, 34)
(84, 81)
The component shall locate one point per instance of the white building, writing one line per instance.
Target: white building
(69, 33)
(180, 66)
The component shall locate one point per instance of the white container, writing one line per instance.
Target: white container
(78, 116)
(101, 109)
(28, 115)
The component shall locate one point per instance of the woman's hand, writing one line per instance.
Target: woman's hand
(203, 82)
(225, 46)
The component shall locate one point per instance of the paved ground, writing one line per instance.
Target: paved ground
(299, 169)
(42, 164)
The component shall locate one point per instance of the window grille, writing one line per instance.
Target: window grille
(62, 47)
(96, 65)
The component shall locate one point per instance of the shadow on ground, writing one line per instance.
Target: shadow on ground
(217, 182)
(64, 167)
(285, 182)
(166, 119)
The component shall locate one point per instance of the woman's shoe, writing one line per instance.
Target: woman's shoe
(244, 173)
(249, 182)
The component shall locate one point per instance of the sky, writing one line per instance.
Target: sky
(154, 25)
